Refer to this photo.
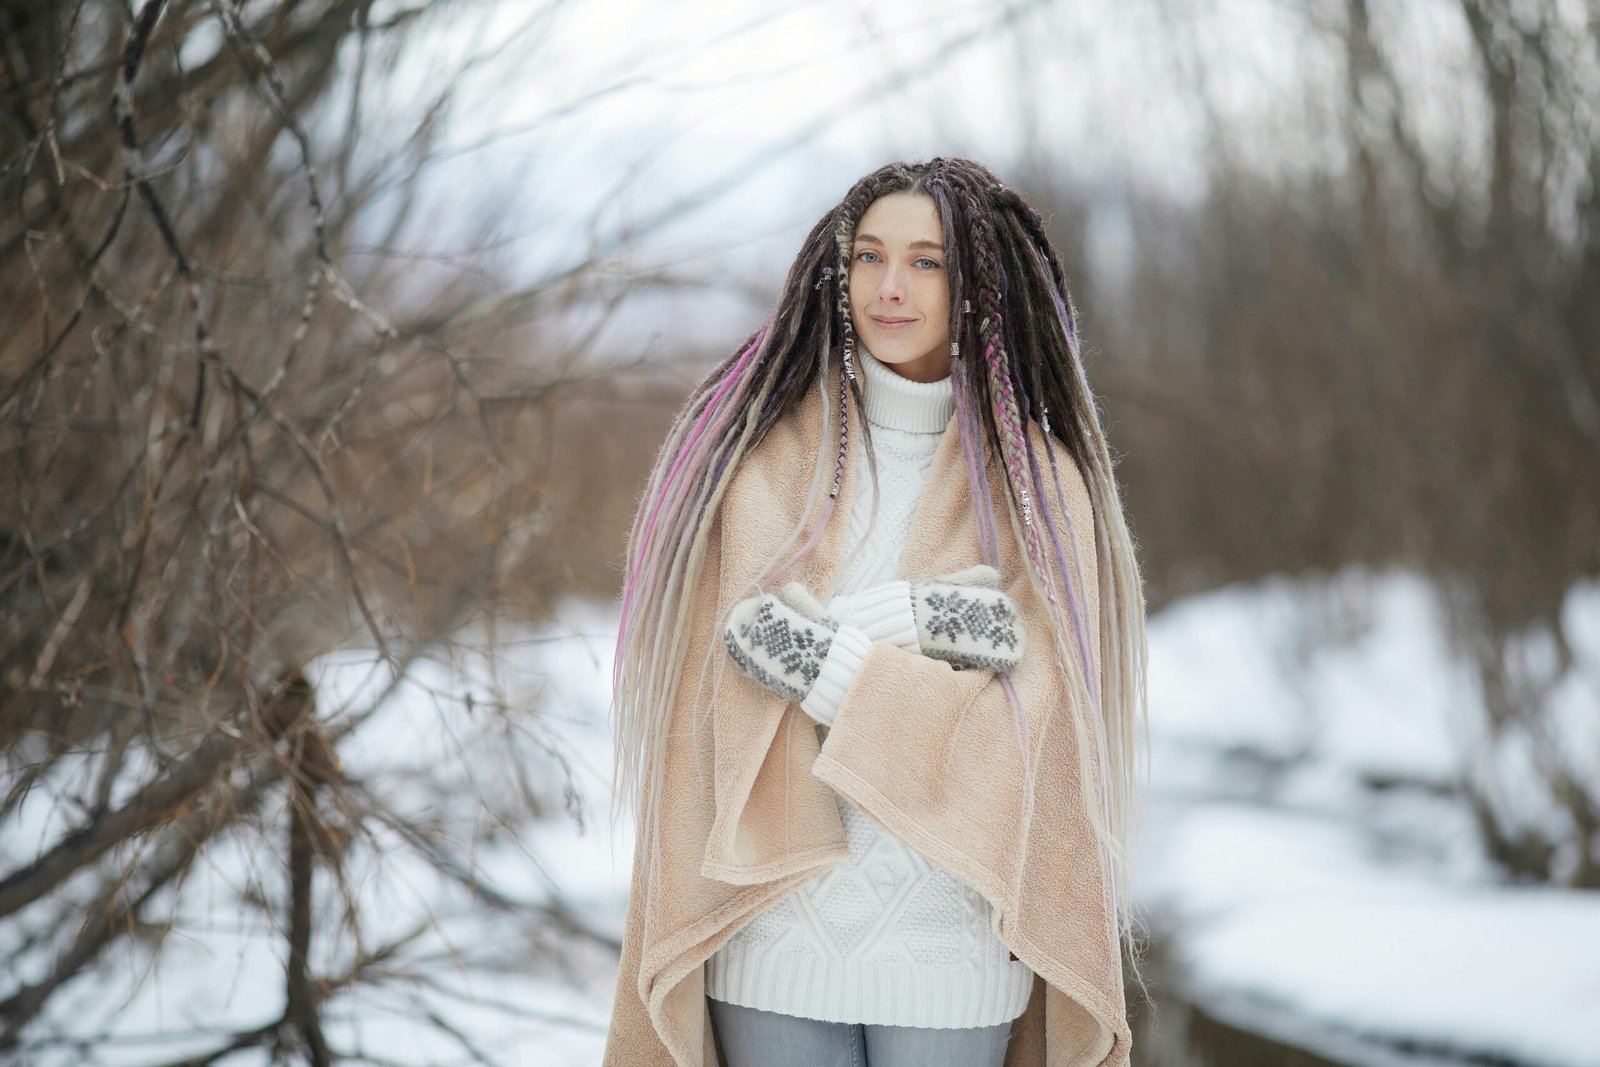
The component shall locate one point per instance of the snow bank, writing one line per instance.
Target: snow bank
(1303, 851)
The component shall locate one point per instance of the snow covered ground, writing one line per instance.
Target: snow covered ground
(1292, 887)
(451, 975)
(1301, 852)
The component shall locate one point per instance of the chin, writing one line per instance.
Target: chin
(896, 354)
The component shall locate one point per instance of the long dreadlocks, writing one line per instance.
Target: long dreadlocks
(1019, 363)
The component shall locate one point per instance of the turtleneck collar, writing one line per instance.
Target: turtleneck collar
(900, 403)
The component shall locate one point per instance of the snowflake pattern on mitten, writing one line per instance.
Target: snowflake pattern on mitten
(777, 646)
(976, 628)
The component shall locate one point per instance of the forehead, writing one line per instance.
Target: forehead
(901, 219)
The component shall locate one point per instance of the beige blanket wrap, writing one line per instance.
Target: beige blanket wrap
(926, 750)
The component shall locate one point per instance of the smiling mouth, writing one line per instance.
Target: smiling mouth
(890, 322)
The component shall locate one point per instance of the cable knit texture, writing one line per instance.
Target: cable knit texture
(885, 937)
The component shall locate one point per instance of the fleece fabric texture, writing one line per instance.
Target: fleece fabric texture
(886, 937)
(747, 810)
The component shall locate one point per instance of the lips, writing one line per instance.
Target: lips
(890, 323)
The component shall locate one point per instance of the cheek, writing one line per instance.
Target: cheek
(860, 297)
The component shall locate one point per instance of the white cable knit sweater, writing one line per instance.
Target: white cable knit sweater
(886, 937)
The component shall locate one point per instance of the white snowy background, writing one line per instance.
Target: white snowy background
(1300, 848)
(1302, 856)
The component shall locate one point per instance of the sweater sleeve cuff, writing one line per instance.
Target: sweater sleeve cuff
(839, 669)
(884, 613)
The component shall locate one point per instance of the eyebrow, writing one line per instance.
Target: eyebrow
(935, 245)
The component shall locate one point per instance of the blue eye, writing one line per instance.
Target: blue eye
(932, 264)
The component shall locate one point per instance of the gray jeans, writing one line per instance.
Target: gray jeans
(750, 1037)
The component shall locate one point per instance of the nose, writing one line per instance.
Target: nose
(889, 285)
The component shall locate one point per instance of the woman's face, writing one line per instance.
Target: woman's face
(899, 287)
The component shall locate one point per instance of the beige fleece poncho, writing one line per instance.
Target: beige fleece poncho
(928, 751)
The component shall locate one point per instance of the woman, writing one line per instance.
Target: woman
(896, 826)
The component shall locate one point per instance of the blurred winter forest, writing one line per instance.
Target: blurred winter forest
(275, 386)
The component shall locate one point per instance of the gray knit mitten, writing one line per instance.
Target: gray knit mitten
(965, 619)
(778, 645)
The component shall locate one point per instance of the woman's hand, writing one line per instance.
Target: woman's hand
(963, 618)
(778, 644)
(782, 640)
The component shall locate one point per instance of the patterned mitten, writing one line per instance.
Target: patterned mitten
(965, 619)
(780, 647)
